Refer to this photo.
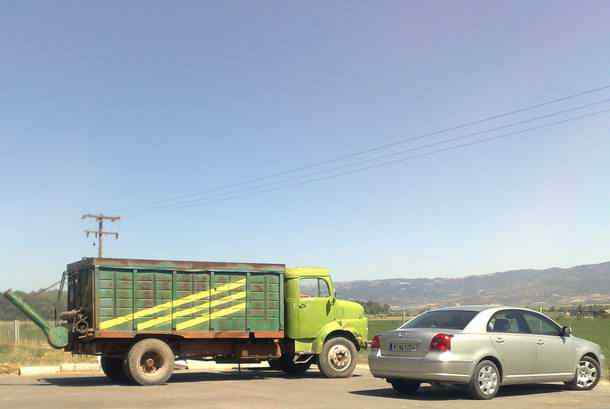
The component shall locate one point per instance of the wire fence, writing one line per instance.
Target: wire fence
(21, 333)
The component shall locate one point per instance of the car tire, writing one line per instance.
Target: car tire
(404, 387)
(485, 382)
(114, 369)
(587, 375)
(150, 362)
(338, 358)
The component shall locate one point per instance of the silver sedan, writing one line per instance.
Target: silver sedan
(484, 348)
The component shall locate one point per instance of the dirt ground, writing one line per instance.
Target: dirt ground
(262, 388)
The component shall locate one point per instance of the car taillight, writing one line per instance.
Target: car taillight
(376, 342)
(441, 343)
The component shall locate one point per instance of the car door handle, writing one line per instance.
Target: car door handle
(302, 305)
(499, 340)
(540, 342)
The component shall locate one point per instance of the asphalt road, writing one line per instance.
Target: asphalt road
(263, 388)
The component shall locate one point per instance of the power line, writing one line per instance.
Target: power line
(405, 159)
(100, 233)
(413, 149)
(399, 141)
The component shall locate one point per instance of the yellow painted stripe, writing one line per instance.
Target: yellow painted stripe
(217, 314)
(189, 311)
(175, 303)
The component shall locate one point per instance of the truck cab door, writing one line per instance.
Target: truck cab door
(315, 306)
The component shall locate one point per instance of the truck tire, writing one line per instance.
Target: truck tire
(275, 364)
(288, 366)
(113, 368)
(150, 362)
(338, 358)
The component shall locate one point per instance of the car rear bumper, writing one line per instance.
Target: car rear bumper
(439, 368)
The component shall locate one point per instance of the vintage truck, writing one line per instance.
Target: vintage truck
(142, 315)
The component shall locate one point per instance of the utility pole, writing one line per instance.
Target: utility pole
(100, 233)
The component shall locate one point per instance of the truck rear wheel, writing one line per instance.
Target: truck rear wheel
(113, 368)
(287, 365)
(275, 364)
(338, 358)
(150, 362)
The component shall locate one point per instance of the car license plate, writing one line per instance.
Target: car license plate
(403, 347)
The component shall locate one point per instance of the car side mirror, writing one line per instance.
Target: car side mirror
(566, 331)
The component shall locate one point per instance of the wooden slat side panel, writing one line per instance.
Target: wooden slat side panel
(162, 301)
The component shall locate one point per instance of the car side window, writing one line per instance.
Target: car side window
(541, 325)
(508, 321)
(313, 288)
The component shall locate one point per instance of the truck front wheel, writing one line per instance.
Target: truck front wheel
(150, 362)
(338, 358)
(113, 369)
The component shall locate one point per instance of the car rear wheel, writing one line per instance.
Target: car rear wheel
(150, 362)
(485, 381)
(404, 387)
(587, 375)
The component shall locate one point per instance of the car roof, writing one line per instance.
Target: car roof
(480, 308)
(483, 314)
(477, 308)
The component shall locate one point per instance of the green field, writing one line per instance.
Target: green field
(596, 330)
(376, 326)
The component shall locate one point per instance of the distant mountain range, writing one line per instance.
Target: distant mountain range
(586, 284)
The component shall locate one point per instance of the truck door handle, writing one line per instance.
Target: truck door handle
(499, 340)
(302, 305)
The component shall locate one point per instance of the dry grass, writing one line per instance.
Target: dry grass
(14, 356)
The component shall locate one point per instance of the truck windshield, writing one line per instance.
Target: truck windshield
(449, 319)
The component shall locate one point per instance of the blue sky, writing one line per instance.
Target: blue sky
(117, 107)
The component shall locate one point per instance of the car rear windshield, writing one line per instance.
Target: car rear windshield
(450, 319)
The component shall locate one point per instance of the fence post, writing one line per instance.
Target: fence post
(16, 332)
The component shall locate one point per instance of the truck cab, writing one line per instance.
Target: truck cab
(320, 327)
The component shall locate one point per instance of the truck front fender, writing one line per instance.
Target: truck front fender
(352, 329)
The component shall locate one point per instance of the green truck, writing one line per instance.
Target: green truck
(140, 316)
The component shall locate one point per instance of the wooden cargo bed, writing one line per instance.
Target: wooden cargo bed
(125, 298)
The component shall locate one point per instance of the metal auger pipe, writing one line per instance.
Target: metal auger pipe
(57, 336)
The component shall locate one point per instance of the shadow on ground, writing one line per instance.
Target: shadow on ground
(185, 377)
(440, 393)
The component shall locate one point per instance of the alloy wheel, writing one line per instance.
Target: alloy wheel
(488, 380)
(586, 374)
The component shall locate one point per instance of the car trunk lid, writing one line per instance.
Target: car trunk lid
(413, 342)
